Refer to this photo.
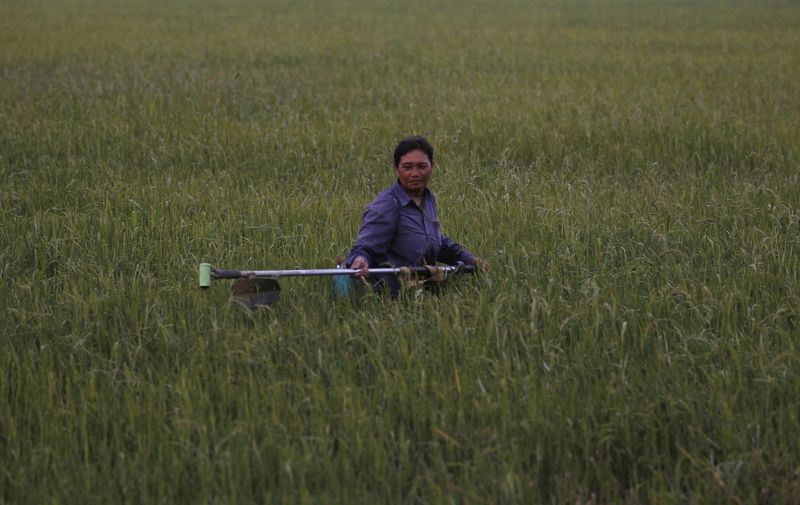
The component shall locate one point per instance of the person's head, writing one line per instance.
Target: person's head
(409, 144)
(413, 164)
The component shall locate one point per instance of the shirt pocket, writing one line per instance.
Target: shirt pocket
(410, 238)
(433, 238)
(434, 229)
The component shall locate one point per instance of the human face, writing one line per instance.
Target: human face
(414, 171)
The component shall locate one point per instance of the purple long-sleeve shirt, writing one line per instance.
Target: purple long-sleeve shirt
(396, 232)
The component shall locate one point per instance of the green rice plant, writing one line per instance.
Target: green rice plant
(629, 168)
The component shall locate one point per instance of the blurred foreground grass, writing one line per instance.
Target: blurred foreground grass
(629, 168)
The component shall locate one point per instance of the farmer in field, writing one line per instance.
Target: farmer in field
(401, 226)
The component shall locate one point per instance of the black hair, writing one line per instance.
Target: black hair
(412, 144)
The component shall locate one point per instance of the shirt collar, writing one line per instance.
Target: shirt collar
(402, 196)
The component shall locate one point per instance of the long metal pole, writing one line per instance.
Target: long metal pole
(207, 273)
(235, 274)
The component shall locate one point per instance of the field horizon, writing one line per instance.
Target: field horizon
(628, 167)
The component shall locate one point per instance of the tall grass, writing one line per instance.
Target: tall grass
(630, 169)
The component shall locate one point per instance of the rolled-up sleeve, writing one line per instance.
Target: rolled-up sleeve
(376, 232)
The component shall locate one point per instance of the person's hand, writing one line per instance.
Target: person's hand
(481, 264)
(361, 264)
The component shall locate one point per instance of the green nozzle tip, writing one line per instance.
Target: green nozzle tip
(205, 275)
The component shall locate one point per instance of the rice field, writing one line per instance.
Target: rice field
(628, 167)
